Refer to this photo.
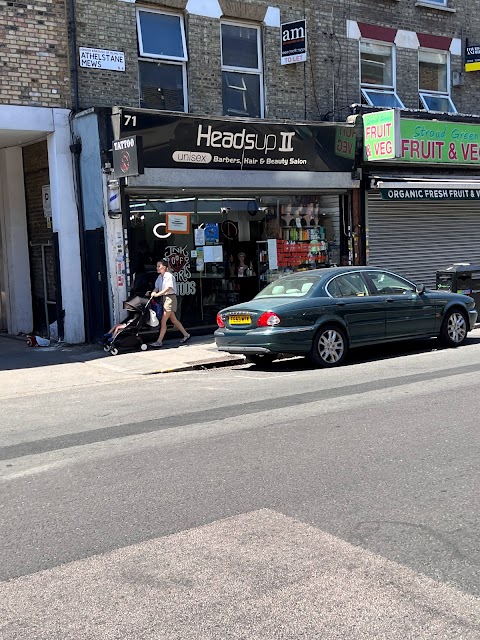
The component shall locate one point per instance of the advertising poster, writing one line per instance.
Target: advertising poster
(178, 223)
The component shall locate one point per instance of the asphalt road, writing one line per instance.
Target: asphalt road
(246, 503)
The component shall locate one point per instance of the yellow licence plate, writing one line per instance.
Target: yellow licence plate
(240, 320)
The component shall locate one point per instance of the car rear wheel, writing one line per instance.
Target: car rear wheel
(454, 328)
(261, 360)
(330, 347)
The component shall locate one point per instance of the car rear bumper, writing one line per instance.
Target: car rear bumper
(277, 340)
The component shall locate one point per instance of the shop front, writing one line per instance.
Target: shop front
(423, 206)
(233, 205)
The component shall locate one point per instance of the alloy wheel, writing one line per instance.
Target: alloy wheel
(456, 327)
(331, 346)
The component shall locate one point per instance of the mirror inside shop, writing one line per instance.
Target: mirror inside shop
(223, 251)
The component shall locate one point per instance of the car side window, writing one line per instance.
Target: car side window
(347, 285)
(387, 284)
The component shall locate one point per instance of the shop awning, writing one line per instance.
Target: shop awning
(229, 181)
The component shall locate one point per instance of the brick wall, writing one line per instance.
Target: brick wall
(34, 53)
(108, 24)
(324, 88)
(464, 22)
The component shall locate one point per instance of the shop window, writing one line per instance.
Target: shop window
(377, 74)
(230, 248)
(434, 81)
(162, 62)
(242, 70)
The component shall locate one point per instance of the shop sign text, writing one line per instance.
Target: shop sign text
(127, 156)
(472, 58)
(345, 142)
(430, 194)
(381, 134)
(294, 42)
(102, 59)
(189, 142)
(440, 142)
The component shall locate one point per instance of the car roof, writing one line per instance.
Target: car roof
(331, 271)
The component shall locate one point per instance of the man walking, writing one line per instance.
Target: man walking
(169, 291)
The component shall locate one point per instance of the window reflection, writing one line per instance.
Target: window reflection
(233, 248)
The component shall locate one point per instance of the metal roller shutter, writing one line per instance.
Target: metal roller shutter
(415, 239)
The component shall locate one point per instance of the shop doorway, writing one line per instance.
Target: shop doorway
(41, 244)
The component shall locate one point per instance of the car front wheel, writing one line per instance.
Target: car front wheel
(454, 328)
(330, 347)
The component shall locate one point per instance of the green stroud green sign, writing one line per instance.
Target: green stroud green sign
(431, 193)
(420, 141)
(381, 134)
(439, 142)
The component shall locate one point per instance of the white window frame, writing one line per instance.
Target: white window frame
(180, 61)
(379, 88)
(259, 70)
(440, 3)
(436, 94)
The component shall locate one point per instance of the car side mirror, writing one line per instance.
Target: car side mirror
(420, 288)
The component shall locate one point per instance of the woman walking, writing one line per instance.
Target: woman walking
(169, 291)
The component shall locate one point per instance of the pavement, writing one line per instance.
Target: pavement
(22, 368)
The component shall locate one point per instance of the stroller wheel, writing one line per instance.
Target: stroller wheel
(143, 347)
(106, 348)
(113, 351)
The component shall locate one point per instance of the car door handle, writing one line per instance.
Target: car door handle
(389, 300)
(340, 304)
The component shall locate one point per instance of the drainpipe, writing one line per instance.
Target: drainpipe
(76, 149)
(72, 29)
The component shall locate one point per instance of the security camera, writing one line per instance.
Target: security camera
(224, 210)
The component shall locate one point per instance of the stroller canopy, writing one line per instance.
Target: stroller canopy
(136, 304)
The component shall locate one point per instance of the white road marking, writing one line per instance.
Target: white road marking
(256, 576)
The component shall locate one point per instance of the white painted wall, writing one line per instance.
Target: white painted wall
(65, 221)
(15, 256)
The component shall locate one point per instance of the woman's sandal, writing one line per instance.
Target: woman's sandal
(156, 344)
(186, 338)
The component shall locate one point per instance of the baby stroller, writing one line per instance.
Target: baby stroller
(140, 327)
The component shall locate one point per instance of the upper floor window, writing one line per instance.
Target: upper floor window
(377, 74)
(242, 70)
(434, 81)
(163, 59)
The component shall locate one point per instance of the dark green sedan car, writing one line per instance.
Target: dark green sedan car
(322, 313)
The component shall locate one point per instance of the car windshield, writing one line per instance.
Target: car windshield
(294, 286)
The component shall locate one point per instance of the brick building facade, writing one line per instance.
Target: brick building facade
(35, 60)
(359, 51)
(200, 57)
(39, 250)
(323, 88)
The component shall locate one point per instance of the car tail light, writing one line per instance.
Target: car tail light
(220, 322)
(268, 319)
